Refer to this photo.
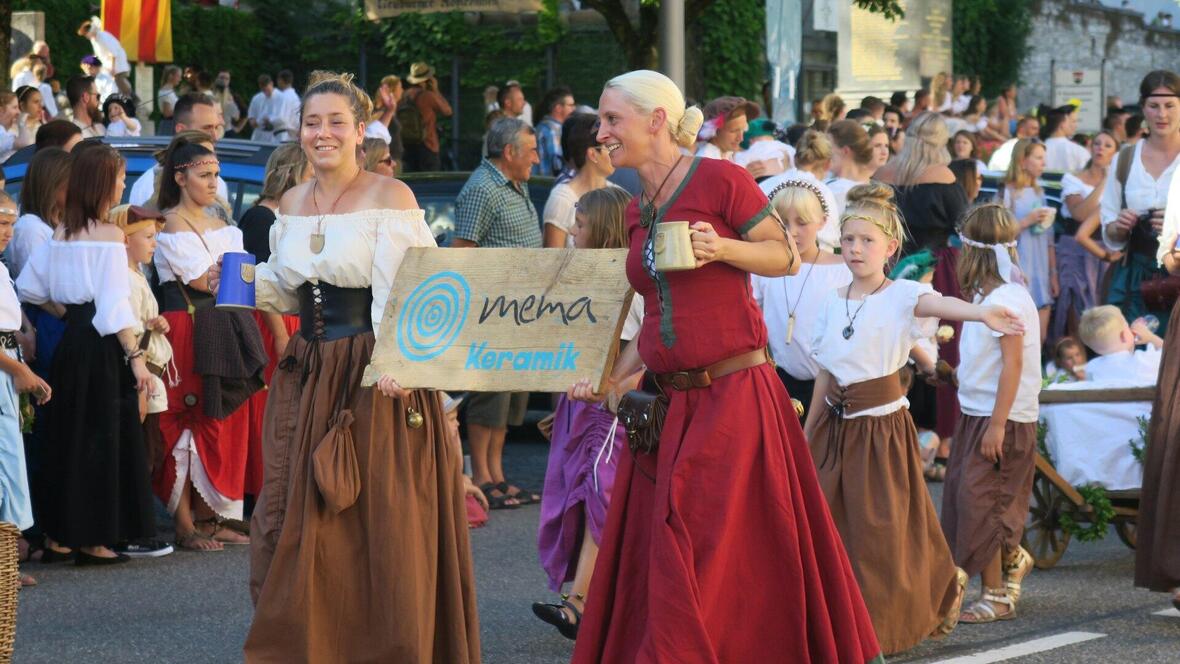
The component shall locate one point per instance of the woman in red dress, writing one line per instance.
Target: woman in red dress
(719, 546)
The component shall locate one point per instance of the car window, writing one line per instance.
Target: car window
(247, 193)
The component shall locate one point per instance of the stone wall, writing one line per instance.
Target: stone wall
(1083, 34)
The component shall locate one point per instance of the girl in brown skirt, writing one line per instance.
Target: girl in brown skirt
(990, 470)
(862, 437)
(359, 545)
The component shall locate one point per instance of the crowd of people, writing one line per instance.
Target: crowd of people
(861, 319)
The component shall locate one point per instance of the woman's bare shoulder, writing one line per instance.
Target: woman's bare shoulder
(936, 174)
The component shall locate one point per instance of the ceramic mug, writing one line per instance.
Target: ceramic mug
(673, 247)
(236, 290)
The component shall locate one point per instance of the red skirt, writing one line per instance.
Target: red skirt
(721, 548)
(257, 404)
(211, 453)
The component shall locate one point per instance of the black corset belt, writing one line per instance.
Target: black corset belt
(328, 312)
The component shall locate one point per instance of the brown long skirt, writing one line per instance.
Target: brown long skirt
(359, 547)
(1157, 550)
(871, 473)
(984, 509)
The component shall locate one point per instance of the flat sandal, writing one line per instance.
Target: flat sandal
(984, 610)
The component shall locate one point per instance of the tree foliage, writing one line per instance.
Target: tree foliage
(639, 41)
(732, 48)
(991, 40)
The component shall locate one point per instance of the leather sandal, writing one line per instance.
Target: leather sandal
(984, 611)
(555, 615)
(951, 619)
(1016, 567)
(522, 495)
(500, 502)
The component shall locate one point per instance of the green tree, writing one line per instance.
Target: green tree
(991, 40)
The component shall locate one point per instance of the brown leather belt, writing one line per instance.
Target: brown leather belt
(696, 378)
(155, 369)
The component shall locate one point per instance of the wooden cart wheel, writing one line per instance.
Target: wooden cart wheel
(1127, 532)
(1043, 536)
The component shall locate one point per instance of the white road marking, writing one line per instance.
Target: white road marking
(1171, 613)
(1026, 648)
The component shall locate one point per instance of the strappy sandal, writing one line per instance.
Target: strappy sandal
(188, 542)
(218, 525)
(984, 610)
(1016, 567)
(500, 502)
(951, 619)
(522, 495)
(937, 471)
(556, 616)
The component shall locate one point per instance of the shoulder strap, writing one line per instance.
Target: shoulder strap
(1123, 172)
(199, 236)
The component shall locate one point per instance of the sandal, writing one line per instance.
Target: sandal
(936, 472)
(984, 611)
(500, 502)
(952, 615)
(220, 525)
(1016, 567)
(193, 541)
(555, 615)
(51, 555)
(27, 581)
(523, 496)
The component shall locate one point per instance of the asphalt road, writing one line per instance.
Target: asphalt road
(191, 607)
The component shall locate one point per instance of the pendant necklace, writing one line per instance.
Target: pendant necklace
(647, 211)
(317, 238)
(849, 330)
(787, 298)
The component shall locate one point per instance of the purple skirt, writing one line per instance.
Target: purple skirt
(1079, 273)
(583, 457)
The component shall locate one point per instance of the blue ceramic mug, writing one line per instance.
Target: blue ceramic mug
(236, 290)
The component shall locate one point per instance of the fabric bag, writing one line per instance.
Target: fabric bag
(409, 116)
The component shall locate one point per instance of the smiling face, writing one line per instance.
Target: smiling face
(9, 112)
(627, 133)
(598, 158)
(865, 247)
(1162, 113)
(141, 246)
(729, 137)
(199, 182)
(330, 133)
(519, 158)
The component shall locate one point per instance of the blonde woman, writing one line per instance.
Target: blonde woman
(931, 202)
(940, 93)
(676, 563)
(377, 157)
(813, 157)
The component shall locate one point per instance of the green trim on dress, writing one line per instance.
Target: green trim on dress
(667, 332)
(755, 220)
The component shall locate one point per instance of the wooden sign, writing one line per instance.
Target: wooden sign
(502, 320)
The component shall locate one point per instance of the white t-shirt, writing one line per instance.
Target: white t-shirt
(167, 96)
(840, 188)
(96, 130)
(559, 209)
(8, 137)
(145, 187)
(47, 100)
(829, 235)
(105, 84)
(1063, 155)
(258, 112)
(884, 331)
(980, 359)
(634, 321)
(22, 79)
(1170, 235)
(120, 128)
(959, 106)
(802, 294)
(1141, 367)
(110, 52)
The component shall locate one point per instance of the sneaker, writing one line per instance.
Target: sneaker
(145, 548)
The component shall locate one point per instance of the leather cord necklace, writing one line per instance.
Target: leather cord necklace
(849, 330)
(647, 211)
(317, 238)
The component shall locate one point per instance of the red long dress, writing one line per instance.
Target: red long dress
(730, 554)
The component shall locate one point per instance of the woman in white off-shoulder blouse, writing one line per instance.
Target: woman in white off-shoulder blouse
(96, 474)
(359, 538)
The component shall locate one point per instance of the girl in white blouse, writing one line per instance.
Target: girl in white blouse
(862, 437)
(790, 304)
(592, 167)
(96, 468)
(361, 484)
(1133, 213)
(203, 475)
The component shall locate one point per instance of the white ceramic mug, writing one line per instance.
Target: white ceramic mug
(1050, 216)
(673, 247)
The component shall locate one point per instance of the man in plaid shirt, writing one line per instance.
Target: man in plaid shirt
(494, 210)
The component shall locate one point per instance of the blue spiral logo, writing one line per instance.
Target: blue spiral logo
(432, 316)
